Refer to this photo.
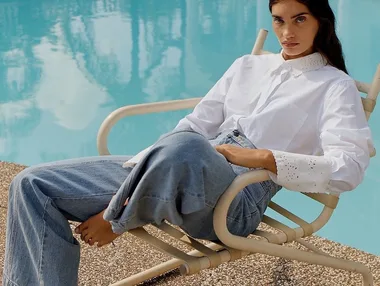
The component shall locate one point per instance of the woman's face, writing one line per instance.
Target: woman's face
(295, 28)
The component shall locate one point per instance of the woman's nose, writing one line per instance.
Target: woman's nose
(288, 33)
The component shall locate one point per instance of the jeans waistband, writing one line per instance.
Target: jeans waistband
(236, 137)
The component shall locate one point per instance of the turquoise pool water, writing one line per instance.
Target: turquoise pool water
(65, 67)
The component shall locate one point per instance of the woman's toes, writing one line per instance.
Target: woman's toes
(91, 241)
(88, 237)
(80, 228)
(83, 234)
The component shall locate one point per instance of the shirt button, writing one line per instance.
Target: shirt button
(236, 132)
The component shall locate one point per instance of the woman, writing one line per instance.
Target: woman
(277, 112)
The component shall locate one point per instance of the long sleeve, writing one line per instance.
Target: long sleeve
(345, 140)
(208, 115)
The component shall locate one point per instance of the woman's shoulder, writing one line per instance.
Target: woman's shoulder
(335, 75)
(339, 84)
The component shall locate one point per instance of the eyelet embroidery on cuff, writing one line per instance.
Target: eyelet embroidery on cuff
(301, 171)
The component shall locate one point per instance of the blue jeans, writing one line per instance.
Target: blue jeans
(39, 240)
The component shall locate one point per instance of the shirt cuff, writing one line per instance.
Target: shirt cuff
(302, 173)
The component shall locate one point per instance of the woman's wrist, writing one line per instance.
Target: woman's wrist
(268, 161)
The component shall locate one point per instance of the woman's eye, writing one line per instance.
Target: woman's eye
(301, 19)
(277, 20)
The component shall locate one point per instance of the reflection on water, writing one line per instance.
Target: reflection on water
(65, 66)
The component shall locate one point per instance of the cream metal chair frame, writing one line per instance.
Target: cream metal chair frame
(234, 247)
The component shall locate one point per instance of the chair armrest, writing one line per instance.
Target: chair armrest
(224, 202)
(130, 110)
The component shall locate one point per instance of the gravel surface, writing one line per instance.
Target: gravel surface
(129, 255)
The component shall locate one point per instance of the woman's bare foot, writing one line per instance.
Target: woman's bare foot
(96, 230)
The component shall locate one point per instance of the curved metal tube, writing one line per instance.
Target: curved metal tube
(130, 110)
(253, 245)
(221, 209)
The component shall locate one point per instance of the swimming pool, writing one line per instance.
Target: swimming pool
(65, 67)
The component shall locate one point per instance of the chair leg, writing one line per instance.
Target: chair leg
(163, 268)
(311, 247)
(367, 276)
(329, 261)
(305, 256)
(150, 273)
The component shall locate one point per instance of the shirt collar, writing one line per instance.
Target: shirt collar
(304, 64)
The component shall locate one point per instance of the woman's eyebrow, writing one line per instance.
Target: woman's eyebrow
(295, 16)
(299, 14)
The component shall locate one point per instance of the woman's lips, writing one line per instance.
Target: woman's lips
(290, 45)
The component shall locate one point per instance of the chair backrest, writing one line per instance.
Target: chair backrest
(371, 90)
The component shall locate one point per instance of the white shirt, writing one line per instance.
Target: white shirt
(308, 113)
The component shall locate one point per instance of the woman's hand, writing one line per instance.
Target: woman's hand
(250, 158)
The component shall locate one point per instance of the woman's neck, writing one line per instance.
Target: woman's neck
(304, 54)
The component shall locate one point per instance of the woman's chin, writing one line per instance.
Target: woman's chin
(293, 53)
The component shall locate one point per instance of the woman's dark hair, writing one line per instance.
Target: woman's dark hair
(326, 41)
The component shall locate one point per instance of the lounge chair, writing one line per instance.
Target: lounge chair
(234, 247)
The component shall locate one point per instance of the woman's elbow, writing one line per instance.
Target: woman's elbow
(351, 175)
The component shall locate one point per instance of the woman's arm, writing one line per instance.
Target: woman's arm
(250, 158)
(208, 115)
(345, 139)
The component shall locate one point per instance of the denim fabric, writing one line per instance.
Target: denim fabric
(179, 180)
(40, 248)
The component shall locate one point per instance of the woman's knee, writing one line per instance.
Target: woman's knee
(24, 180)
(185, 146)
